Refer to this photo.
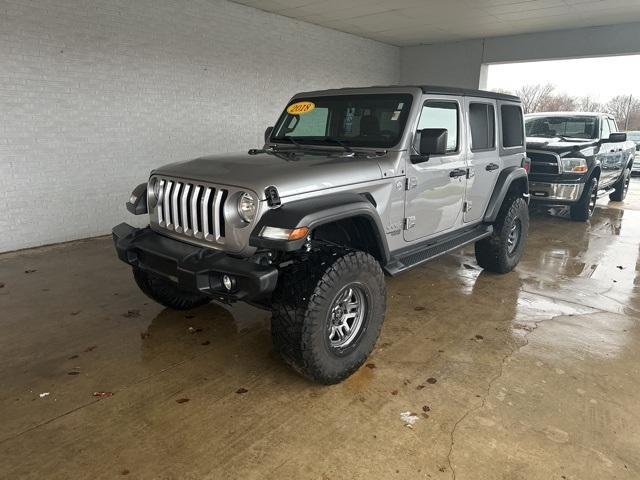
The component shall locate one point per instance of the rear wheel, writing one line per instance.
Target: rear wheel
(327, 314)
(582, 211)
(502, 251)
(621, 187)
(166, 292)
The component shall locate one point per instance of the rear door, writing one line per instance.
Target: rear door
(482, 157)
(436, 187)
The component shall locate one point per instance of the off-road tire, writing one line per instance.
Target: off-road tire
(621, 187)
(301, 320)
(583, 209)
(494, 252)
(166, 292)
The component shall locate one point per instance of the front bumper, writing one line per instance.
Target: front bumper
(555, 192)
(194, 268)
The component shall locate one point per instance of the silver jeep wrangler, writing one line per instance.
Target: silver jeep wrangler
(351, 184)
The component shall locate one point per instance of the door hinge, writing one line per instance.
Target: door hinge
(411, 182)
(471, 173)
(467, 206)
(409, 222)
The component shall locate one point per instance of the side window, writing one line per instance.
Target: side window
(441, 114)
(512, 128)
(613, 126)
(606, 130)
(483, 126)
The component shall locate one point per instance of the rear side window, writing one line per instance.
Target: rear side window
(512, 129)
(441, 114)
(483, 126)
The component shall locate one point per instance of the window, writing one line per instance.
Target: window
(579, 126)
(361, 120)
(512, 129)
(441, 114)
(483, 126)
(613, 126)
(606, 130)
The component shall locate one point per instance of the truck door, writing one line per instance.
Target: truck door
(607, 154)
(436, 187)
(483, 160)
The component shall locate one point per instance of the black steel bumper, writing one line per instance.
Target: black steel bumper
(194, 268)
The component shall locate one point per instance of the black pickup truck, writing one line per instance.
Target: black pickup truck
(577, 157)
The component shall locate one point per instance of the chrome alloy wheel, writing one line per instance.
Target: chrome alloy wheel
(593, 199)
(513, 239)
(346, 315)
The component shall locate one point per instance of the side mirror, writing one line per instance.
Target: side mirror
(267, 134)
(430, 141)
(618, 137)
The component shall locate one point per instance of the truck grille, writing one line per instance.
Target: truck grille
(543, 162)
(191, 210)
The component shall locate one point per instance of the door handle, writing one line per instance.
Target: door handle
(458, 172)
(492, 166)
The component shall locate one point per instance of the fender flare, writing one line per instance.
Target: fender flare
(317, 211)
(504, 182)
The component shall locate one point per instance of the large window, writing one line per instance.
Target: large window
(483, 126)
(348, 120)
(512, 130)
(570, 126)
(442, 114)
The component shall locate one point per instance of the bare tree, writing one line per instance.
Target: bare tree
(587, 104)
(558, 103)
(534, 96)
(623, 108)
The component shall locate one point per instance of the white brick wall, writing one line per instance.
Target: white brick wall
(95, 93)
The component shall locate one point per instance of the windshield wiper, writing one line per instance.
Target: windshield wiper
(346, 147)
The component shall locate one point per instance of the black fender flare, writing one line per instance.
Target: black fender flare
(317, 211)
(504, 182)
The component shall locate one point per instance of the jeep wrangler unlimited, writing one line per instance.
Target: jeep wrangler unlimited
(577, 157)
(351, 184)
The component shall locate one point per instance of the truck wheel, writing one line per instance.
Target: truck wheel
(582, 211)
(621, 187)
(166, 292)
(327, 314)
(502, 251)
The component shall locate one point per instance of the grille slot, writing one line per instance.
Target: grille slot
(191, 209)
(543, 162)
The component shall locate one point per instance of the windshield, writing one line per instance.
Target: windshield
(345, 120)
(560, 126)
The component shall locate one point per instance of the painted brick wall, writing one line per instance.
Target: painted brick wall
(93, 94)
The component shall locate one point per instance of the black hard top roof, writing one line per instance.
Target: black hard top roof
(435, 89)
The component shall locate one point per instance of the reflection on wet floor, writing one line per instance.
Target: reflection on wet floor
(532, 375)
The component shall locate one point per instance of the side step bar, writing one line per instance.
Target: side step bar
(604, 193)
(419, 254)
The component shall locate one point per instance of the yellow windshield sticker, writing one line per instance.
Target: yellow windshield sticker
(300, 108)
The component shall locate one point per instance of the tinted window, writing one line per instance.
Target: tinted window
(441, 114)
(356, 120)
(482, 122)
(512, 129)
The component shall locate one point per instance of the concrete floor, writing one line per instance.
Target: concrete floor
(536, 372)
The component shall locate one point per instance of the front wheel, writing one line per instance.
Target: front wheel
(582, 211)
(502, 250)
(327, 314)
(621, 187)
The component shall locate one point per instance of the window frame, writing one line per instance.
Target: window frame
(495, 130)
(458, 122)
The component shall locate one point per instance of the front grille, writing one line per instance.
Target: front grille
(191, 209)
(542, 162)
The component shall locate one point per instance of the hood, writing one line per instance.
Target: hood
(557, 145)
(306, 173)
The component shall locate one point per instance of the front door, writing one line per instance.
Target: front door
(436, 186)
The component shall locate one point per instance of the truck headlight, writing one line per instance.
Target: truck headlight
(247, 207)
(573, 165)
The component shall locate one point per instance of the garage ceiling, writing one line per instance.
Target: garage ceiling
(414, 22)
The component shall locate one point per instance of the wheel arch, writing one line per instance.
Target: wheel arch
(510, 180)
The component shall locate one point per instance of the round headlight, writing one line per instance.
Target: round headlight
(247, 207)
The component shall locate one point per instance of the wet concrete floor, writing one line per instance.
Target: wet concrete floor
(530, 375)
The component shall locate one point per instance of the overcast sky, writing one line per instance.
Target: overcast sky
(600, 78)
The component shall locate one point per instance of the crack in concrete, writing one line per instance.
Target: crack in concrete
(488, 389)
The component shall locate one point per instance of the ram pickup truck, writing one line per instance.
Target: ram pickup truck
(350, 185)
(634, 136)
(577, 157)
